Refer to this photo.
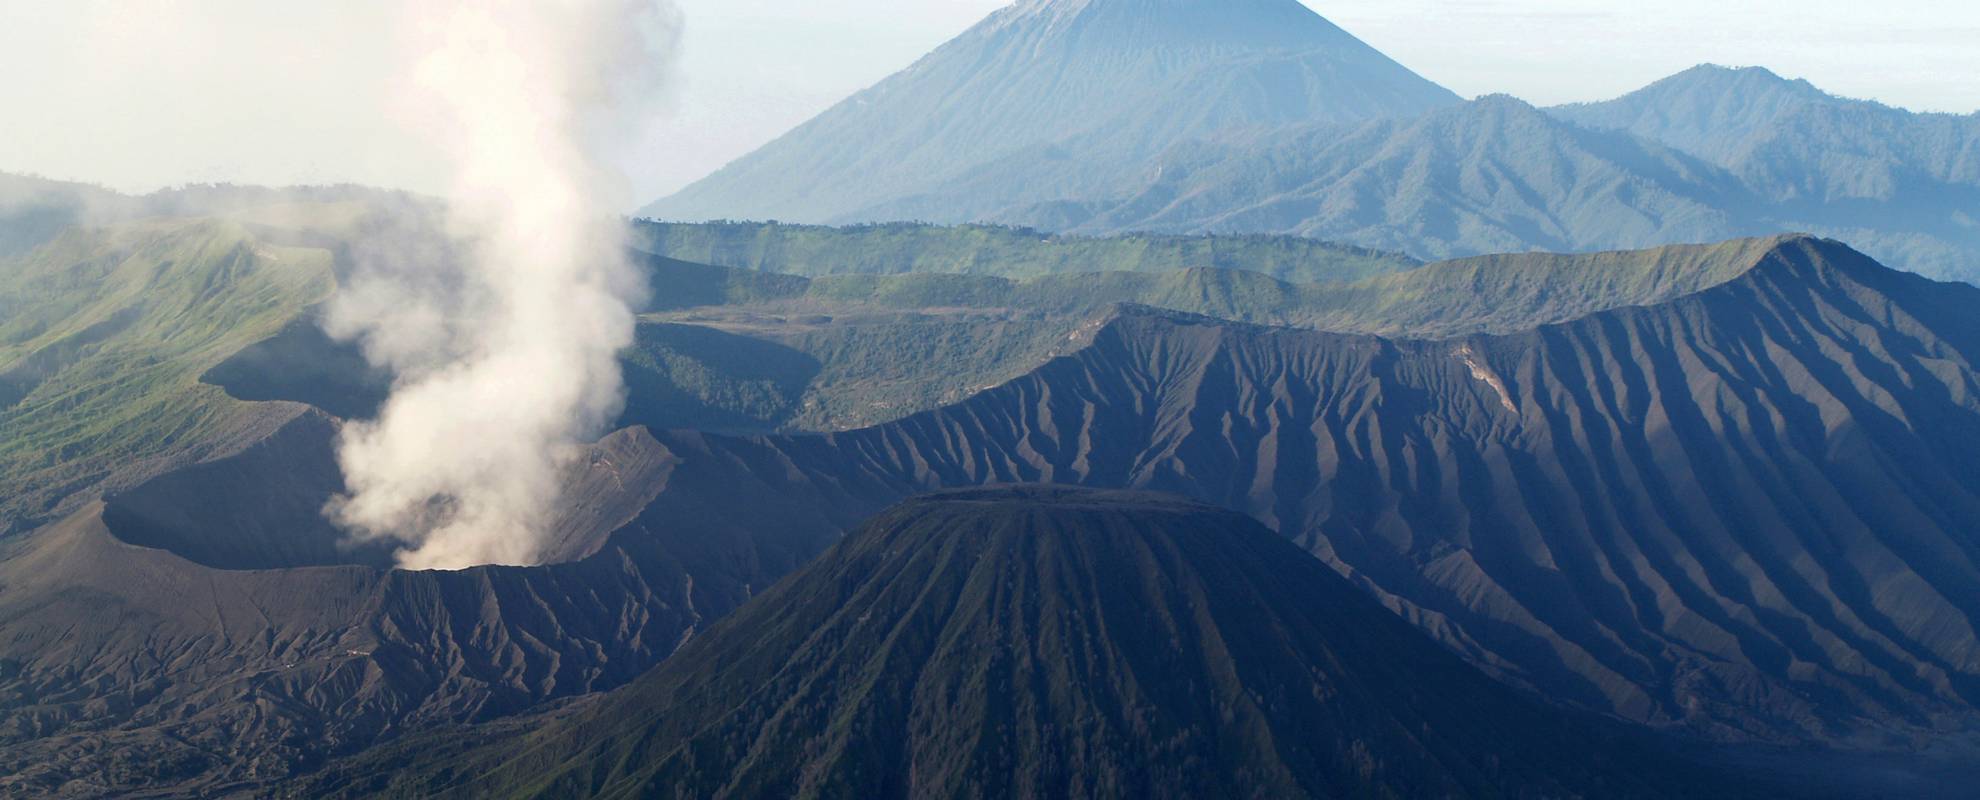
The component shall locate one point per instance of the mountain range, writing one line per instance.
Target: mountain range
(1239, 443)
(1719, 491)
(1094, 88)
(1363, 156)
(1048, 642)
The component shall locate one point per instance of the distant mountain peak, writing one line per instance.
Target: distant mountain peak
(1792, 143)
(1709, 68)
(1502, 101)
(1278, 24)
(1732, 78)
(1067, 8)
(992, 119)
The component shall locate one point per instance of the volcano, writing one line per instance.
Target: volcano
(1054, 642)
(1054, 99)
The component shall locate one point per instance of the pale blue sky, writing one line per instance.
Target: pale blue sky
(141, 93)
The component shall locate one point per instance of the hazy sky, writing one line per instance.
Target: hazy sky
(142, 93)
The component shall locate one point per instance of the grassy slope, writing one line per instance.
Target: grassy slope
(902, 248)
(107, 330)
(103, 335)
(1451, 298)
(742, 350)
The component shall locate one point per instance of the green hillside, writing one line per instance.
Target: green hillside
(998, 251)
(1449, 298)
(737, 349)
(104, 333)
(110, 331)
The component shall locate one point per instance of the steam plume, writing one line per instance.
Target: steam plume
(504, 340)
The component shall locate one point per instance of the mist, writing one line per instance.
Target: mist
(503, 332)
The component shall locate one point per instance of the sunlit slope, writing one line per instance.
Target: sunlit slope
(1898, 184)
(990, 251)
(1497, 294)
(104, 333)
(1722, 511)
(732, 349)
(1739, 512)
(1719, 512)
(1049, 99)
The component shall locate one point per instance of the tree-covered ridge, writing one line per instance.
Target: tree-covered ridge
(1790, 139)
(104, 333)
(999, 251)
(1706, 155)
(1500, 293)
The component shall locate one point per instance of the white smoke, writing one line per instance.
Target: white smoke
(504, 339)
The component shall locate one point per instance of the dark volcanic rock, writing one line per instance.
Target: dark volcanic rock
(1049, 642)
(127, 669)
(1744, 512)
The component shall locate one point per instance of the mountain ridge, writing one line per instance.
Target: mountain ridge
(1455, 182)
(1744, 98)
(1708, 154)
(1093, 87)
(1738, 514)
(1048, 641)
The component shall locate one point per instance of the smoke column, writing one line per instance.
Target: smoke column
(504, 339)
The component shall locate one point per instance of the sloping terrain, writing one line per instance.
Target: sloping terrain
(35, 210)
(1497, 175)
(993, 251)
(1742, 512)
(118, 305)
(1902, 185)
(1048, 642)
(1706, 155)
(103, 335)
(1081, 92)
(849, 351)
(738, 350)
(1745, 511)
(1493, 175)
(254, 646)
(1792, 140)
(1486, 294)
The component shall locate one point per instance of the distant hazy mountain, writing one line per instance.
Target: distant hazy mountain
(1791, 140)
(1183, 116)
(1903, 185)
(1080, 92)
(1494, 175)
(1498, 175)
(34, 210)
(1048, 642)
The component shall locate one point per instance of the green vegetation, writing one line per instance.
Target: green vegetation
(34, 210)
(822, 373)
(112, 333)
(692, 376)
(745, 350)
(104, 333)
(997, 251)
(1451, 298)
